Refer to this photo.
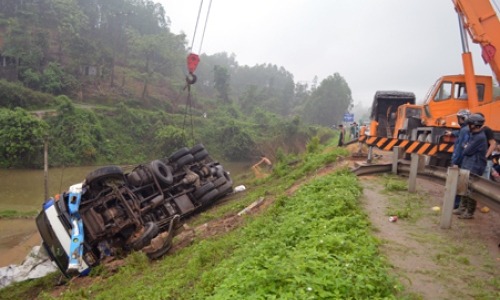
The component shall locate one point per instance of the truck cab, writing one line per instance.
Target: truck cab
(449, 95)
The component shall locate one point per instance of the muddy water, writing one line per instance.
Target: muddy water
(23, 190)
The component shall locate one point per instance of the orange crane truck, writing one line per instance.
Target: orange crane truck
(397, 121)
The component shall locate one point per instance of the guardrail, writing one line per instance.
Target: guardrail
(456, 182)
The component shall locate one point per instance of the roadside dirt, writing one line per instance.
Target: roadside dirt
(460, 263)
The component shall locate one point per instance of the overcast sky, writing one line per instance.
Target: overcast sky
(374, 44)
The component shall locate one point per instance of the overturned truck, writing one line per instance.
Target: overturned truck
(138, 210)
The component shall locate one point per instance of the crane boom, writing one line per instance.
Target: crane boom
(481, 21)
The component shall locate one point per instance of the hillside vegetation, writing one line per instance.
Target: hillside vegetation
(121, 58)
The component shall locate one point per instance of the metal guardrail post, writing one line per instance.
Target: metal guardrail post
(417, 164)
(397, 153)
(450, 192)
(369, 160)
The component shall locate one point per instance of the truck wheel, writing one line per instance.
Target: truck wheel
(186, 159)
(196, 149)
(151, 230)
(162, 172)
(219, 181)
(209, 197)
(226, 188)
(422, 137)
(178, 154)
(203, 190)
(200, 155)
(108, 172)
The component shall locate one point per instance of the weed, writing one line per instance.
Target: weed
(463, 260)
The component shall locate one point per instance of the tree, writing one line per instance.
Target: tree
(221, 83)
(328, 102)
(20, 133)
(156, 53)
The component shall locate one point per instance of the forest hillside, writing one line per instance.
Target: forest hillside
(107, 81)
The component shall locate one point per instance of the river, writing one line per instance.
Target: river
(23, 190)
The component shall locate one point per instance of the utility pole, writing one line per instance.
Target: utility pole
(46, 165)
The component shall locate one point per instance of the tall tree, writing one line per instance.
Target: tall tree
(221, 83)
(328, 102)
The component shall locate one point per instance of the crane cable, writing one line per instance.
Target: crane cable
(193, 61)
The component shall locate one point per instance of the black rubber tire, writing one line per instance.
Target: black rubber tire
(226, 188)
(162, 172)
(200, 155)
(178, 154)
(151, 231)
(209, 197)
(220, 171)
(104, 173)
(186, 159)
(219, 181)
(203, 190)
(196, 149)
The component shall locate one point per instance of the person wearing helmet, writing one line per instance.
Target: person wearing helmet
(474, 159)
(490, 137)
(457, 156)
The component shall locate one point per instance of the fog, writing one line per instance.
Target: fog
(375, 45)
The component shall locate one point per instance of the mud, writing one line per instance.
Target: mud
(421, 250)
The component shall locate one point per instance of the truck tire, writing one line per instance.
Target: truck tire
(196, 149)
(209, 196)
(108, 172)
(178, 154)
(162, 172)
(200, 155)
(186, 159)
(219, 181)
(149, 233)
(226, 188)
(203, 190)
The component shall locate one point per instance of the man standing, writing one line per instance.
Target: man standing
(490, 137)
(474, 159)
(457, 156)
(342, 135)
(353, 130)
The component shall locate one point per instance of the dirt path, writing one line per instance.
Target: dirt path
(461, 263)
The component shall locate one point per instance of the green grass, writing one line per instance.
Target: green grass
(10, 214)
(316, 243)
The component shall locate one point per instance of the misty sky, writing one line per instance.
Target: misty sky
(374, 44)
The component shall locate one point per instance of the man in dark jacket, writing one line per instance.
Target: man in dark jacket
(474, 158)
(457, 157)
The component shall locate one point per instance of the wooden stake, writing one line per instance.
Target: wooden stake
(46, 166)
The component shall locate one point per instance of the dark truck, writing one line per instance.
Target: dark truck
(111, 209)
(385, 109)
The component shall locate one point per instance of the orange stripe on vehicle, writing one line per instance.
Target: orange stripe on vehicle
(403, 144)
(433, 150)
(382, 141)
(391, 144)
(372, 139)
(423, 148)
(412, 147)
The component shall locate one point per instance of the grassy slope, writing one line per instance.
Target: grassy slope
(315, 244)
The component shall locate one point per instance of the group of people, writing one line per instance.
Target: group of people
(475, 150)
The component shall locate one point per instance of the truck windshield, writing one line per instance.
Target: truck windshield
(51, 242)
(431, 92)
(413, 112)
